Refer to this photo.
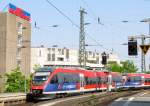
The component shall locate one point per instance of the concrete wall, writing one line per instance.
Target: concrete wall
(9, 44)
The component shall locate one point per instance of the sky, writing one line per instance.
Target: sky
(111, 34)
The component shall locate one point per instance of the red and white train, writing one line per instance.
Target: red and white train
(50, 83)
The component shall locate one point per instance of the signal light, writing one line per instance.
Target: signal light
(132, 48)
(104, 58)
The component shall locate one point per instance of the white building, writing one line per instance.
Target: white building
(66, 57)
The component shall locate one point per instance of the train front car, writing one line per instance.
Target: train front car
(134, 81)
(39, 82)
(63, 82)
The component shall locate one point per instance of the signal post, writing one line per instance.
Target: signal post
(143, 47)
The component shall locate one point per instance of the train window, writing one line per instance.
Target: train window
(39, 80)
(54, 80)
(103, 80)
(117, 79)
(129, 80)
(147, 80)
(86, 80)
(89, 81)
(99, 80)
(135, 78)
(42, 78)
(68, 78)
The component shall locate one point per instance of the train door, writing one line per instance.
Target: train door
(81, 82)
(109, 82)
(142, 81)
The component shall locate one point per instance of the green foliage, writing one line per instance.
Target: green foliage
(16, 81)
(116, 68)
(93, 96)
(129, 67)
(36, 66)
(147, 72)
(126, 67)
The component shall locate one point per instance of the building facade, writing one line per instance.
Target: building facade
(66, 57)
(15, 39)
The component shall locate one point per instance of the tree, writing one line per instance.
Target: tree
(129, 67)
(36, 67)
(15, 81)
(147, 72)
(126, 67)
(115, 67)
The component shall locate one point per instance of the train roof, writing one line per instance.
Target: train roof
(139, 74)
(45, 69)
(115, 74)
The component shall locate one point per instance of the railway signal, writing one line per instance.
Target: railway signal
(143, 47)
(104, 58)
(132, 47)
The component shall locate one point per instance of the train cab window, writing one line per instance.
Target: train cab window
(54, 80)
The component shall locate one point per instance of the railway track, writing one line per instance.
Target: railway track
(90, 99)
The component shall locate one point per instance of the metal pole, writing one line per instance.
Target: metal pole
(149, 31)
(143, 68)
(82, 57)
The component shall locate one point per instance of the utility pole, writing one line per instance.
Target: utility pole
(143, 66)
(142, 37)
(82, 52)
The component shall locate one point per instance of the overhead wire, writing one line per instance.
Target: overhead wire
(73, 23)
(68, 18)
(98, 22)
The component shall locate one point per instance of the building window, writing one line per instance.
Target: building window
(20, 28)
(20, 40)
(19, 63)
(62, 51)
(18, 52)
(59, 51)
(40, 54)
(90, 53)
(93, 55)
(53, 57)
(67, 53)
(97, 59)
(60, 59)
(53, 49)
(48, 57)
(49, 49)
